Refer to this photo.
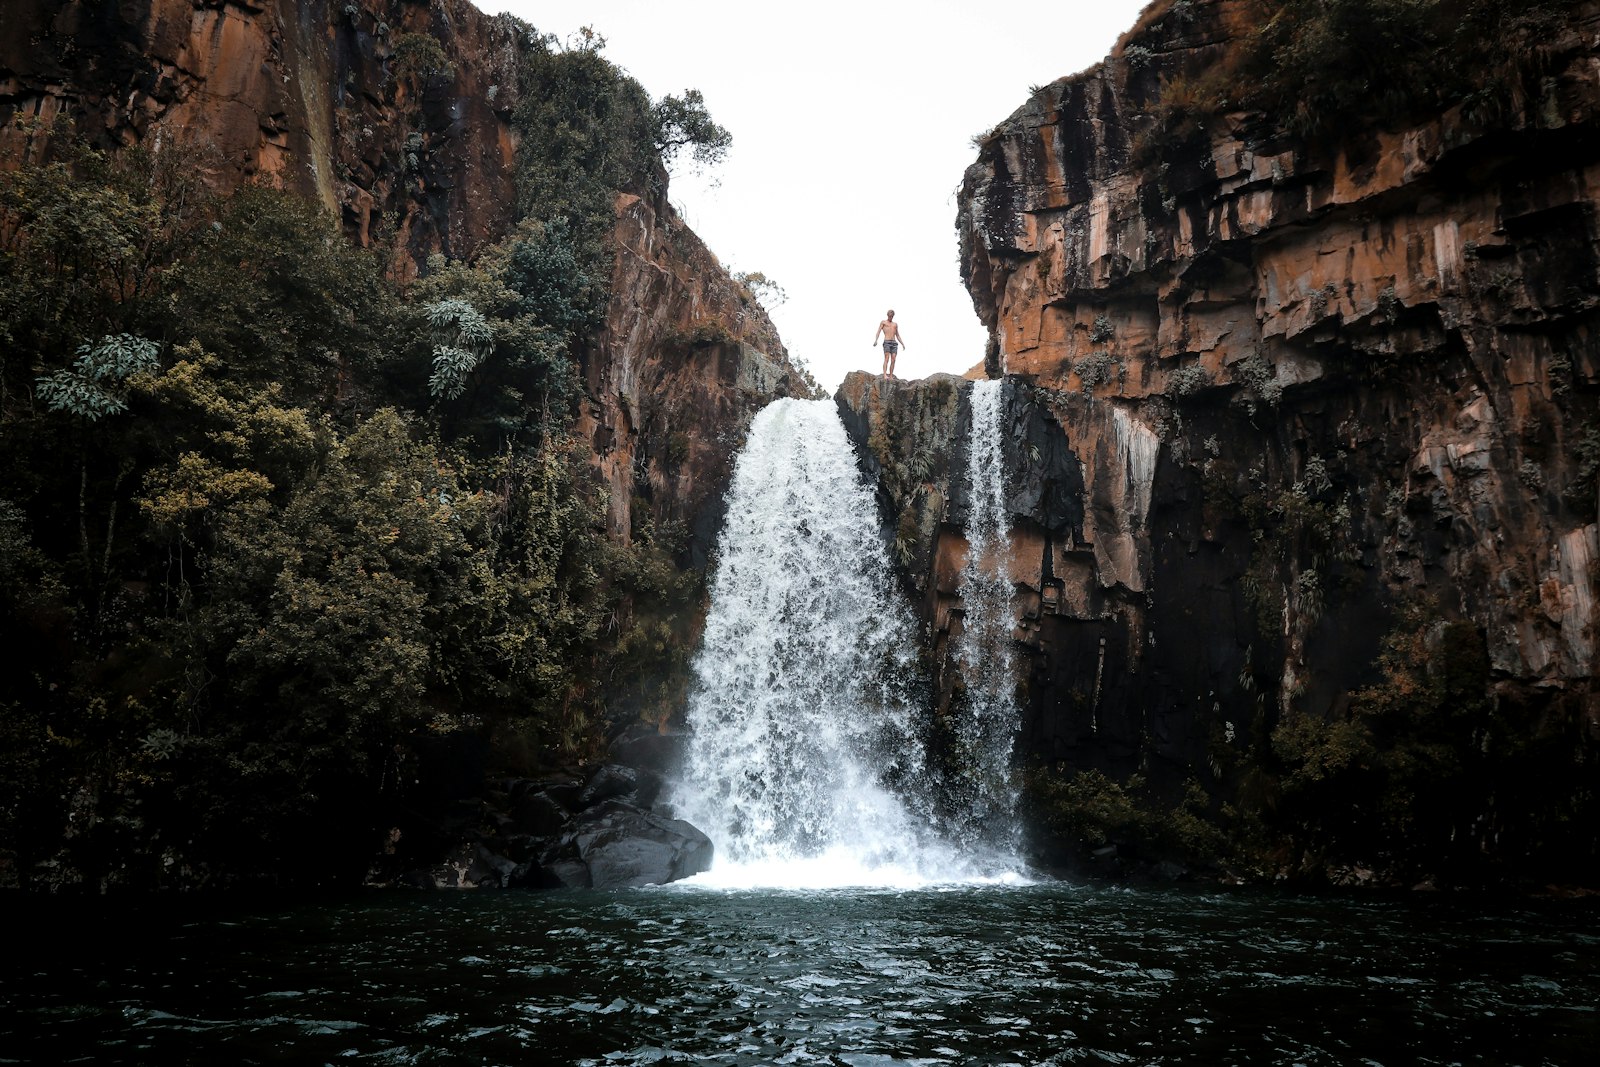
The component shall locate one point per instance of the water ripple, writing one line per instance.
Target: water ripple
(1048, 974)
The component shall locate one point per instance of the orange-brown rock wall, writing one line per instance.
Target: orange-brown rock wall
(1308, 387)
(307, 95)
(686, 359)
(302, 94)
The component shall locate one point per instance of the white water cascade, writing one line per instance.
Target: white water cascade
(986, 718)
(805, 763)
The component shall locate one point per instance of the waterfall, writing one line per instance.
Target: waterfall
(984, 796)
(801, 716)
(805, 760)
(808, 714)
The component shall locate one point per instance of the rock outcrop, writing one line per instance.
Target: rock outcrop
(415, 149)
(686, 359)
(1274, 403)
(307, 95)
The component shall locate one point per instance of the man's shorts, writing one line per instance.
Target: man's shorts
(891, 347)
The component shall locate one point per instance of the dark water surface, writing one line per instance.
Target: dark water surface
(995, 975)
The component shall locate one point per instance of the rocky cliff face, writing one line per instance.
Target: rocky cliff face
(1276, 404)
(397, 115)
(429, 130)
(686, 359)
(308, 95)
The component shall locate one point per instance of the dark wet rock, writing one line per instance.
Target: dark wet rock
(566, 872)
(623, 846)
(538, 814)
(646, 748)
(609, 782)
(492, 870)
(613, 781)
(564, 790)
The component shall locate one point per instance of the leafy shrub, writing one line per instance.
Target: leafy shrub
(88, 389)
(462, 341)
(277, 293)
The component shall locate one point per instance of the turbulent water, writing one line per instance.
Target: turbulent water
(986, 717)
(805, 761)
(1046, 974)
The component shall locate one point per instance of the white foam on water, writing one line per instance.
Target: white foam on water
(841, 868)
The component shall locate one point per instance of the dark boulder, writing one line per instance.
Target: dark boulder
(563, 790)
(620, 846)
(646, 748)
(537, 813)
(613, 781)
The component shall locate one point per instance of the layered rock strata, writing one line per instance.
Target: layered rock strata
(1267, 397)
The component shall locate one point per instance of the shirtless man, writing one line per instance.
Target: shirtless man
(892, 340)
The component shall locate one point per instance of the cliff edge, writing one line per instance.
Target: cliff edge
(1303, 429)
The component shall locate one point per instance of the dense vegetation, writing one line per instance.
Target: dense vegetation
(1324, 68)
(269, 520)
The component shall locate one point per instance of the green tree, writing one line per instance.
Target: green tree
(682, 122)
(278, 294)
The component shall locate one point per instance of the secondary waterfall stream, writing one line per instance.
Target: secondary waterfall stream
(806, 763)
(986, 718)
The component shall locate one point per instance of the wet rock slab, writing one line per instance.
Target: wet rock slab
(596, 832)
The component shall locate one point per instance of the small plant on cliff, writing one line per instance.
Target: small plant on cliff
(1582, 494)
(1181, 114)
(1260, 381)
(1186, 381)
(1318, 300)
(1096, 369)
(1102, 330)
(705, 331)
(419, 55)
(768, 292)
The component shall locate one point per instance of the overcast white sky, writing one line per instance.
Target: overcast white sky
(852, 124)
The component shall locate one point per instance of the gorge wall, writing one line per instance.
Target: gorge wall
(1302, 442)
(399, 116)
(512, 193)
